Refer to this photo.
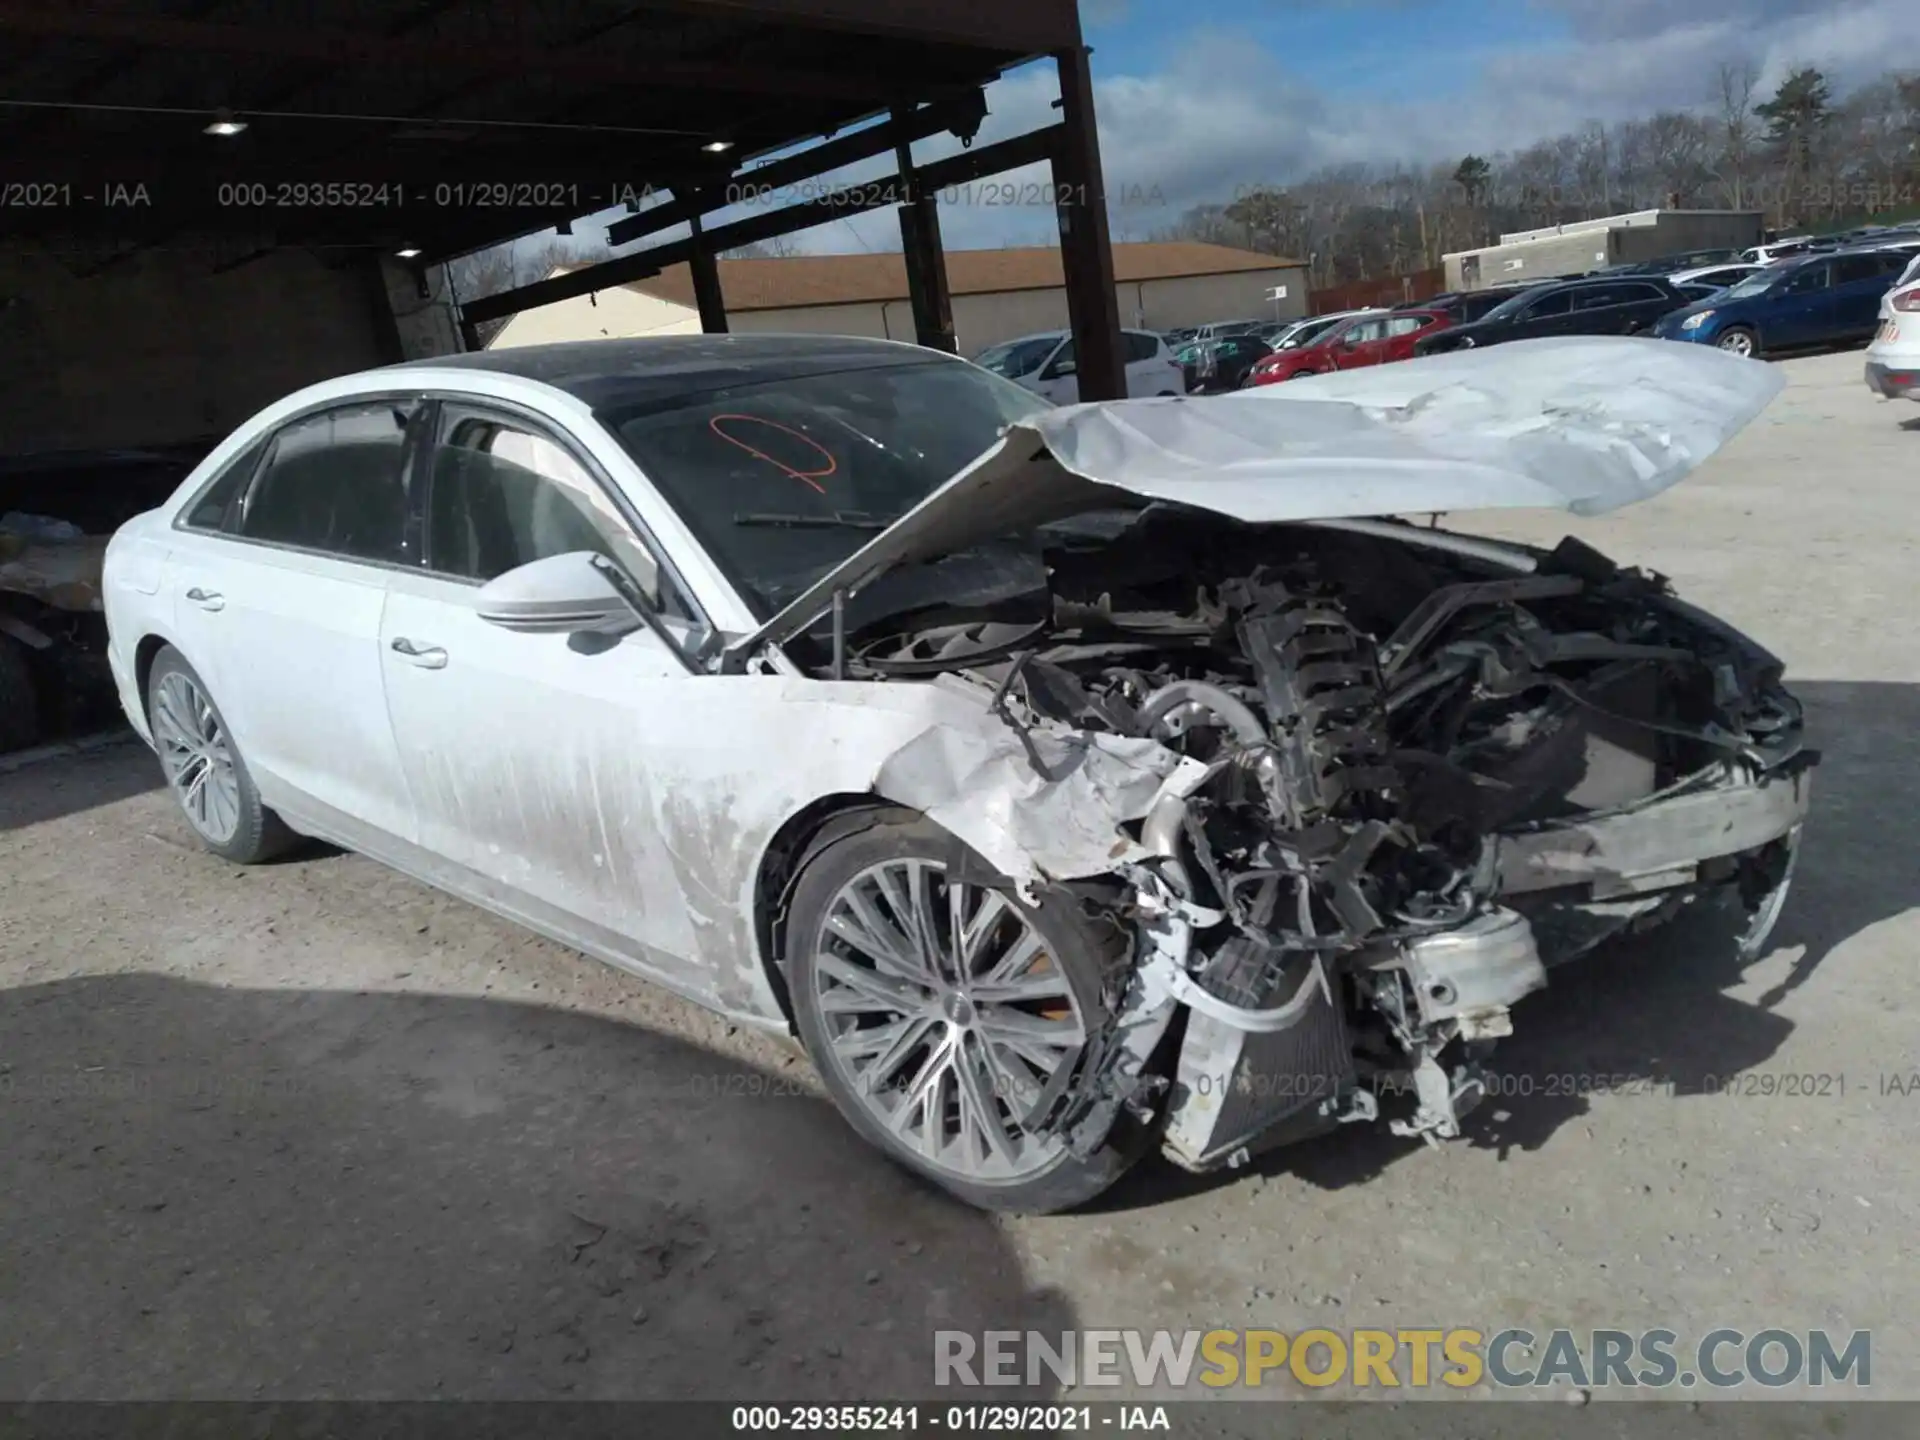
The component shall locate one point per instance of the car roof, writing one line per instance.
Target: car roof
(725, 359)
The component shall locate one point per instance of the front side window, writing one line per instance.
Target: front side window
(1560, 302)
(781, 480)
(334, 482)
(503, 495)
(1814, 277)
(1140, 347)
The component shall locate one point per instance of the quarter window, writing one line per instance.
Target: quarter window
(210, 507)
(333, 482)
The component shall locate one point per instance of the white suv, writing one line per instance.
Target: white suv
(1045, 365)
(1893, 359)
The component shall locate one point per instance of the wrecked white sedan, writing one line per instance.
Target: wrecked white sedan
(1072, 781)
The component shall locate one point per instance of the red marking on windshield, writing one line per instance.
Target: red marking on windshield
(805, 477)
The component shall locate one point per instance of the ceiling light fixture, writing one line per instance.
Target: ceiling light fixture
(717, 147)
(412, 252)
(223, 123)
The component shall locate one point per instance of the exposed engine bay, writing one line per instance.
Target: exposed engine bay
(1416, 776)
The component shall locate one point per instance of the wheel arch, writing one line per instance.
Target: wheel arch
(805, 833)
(144, 654)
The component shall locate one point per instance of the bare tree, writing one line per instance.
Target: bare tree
(1737, 128)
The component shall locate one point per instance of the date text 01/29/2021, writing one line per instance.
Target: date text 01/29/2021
(957, 1419)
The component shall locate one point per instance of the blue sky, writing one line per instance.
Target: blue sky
(1198, 97)
(1352, 50)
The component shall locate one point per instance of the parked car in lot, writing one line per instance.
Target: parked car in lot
(1462, 307)
(1305, 332)
(1060, 820)
(1811, 300)
(1620, 305)
(1213, 366)
(1777, 249)
(1714, 277)
(1369, 339)
(1219, 329)
(1046, 365)
(1893, 359)
(1668, 264)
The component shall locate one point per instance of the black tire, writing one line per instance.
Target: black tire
(1082, 949)
(19, 697)
(260, 834)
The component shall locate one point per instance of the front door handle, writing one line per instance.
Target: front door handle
(207, 599)
(427, 657)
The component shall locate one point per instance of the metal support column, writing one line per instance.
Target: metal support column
(1086, 248)
(706, 283)
(925, 258)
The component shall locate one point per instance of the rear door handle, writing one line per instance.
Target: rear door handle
(427, 657)
(207, 599)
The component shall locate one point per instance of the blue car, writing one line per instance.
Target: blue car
(1809, 300)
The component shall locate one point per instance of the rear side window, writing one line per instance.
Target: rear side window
(1849, 268)
(1140, 347)
(333, 482)
(210, 508)
(1406, 325)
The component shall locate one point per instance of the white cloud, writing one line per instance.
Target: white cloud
(1225, 112)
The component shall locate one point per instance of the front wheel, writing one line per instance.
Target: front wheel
(1738, 341)
(940, 1011)
(203, 766)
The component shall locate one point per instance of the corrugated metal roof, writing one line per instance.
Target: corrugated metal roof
(798, 281)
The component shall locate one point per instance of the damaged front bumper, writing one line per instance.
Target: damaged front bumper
(1248, 1078)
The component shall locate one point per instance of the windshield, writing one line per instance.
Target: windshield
(1757, 283)
(1018, 357)
(1308, 332)
(781, 480)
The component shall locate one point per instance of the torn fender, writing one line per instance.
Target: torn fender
(979, 782)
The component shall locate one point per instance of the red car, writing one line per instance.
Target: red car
(1364, 340)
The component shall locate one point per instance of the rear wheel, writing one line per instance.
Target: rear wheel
(204, 768)
(1738, 341)
(939, 1012)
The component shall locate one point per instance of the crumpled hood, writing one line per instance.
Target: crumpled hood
(1584, 424)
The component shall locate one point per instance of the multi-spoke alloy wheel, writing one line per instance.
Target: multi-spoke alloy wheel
(950, 1019)
(196, 756)
(204, 767)
(947, 1014)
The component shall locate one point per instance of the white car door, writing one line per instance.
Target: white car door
(277, 598)
(530, 756)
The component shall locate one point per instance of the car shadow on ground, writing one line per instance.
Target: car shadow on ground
(1654, 1011)
(220, 1193)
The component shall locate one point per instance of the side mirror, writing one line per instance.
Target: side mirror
(563, 595)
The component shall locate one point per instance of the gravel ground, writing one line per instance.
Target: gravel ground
(313, 1130)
